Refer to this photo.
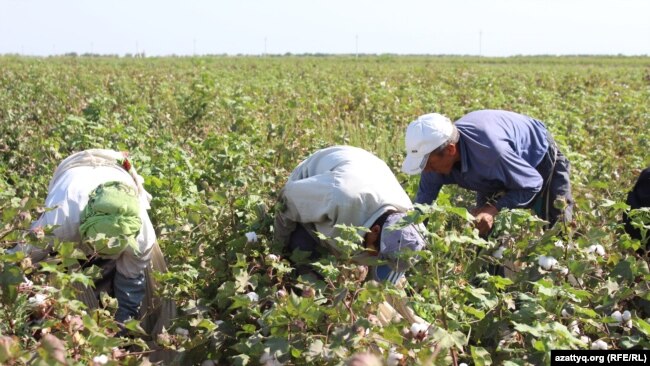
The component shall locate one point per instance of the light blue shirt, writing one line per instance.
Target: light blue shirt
(499, 151)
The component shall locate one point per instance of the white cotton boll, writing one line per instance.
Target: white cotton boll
(37, 300)
(596, 248)
(585, 339)
(546, 262)
(564, 271)
(565, 313)
(599, 344)
(394, 358)
(268, 359)
(251, 237)
(574, 328)
(182, 332)
(272, 258)
(617, 316)
(100, 360)
(462, 364)
(207, 363)
(559, 244)
(253, 296)
(498, 254)
(419, 330)
(627, 315)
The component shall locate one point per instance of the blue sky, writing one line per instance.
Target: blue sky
(487, 27)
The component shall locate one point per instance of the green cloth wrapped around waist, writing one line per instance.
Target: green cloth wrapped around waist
(113, 210)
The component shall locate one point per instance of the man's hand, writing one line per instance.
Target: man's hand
(484, 218)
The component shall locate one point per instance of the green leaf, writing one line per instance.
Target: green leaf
(499, 282)
(623, 270)
(134, 326)
(203, 323)
(535, 331)
(480, 356)
(642, 325)
(589, 313)
(242, 280)
(479, 314)
(392, 334)
(482, 296)
(241, 360)
(77, 277)
(460, 212)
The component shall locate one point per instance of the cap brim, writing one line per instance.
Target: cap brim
(411, 164)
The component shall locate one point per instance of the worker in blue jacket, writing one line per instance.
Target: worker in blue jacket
(510, 160)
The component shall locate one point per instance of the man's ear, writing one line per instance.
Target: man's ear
(375, 229)
(451, 149)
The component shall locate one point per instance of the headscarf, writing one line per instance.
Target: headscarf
(113, 210)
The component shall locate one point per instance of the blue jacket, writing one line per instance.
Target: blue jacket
(499, 151)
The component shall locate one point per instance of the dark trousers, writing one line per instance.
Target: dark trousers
(129, 292)
(303, 240)
(557, 186)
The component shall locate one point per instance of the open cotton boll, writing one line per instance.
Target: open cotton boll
(596, 248)
(599, 344)
(269, 360)
(37, 300)
(251, 237)
(498, 254)
(617, 316)
(253, 296)
(394, 358)
(627, 315)
(546, 262)
(565, 313)
(100, 360)
(419, 330)
(272, 258)
(182, 332)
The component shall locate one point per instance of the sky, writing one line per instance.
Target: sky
(255, 27)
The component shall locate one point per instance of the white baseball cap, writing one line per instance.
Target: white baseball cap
(424, 135)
